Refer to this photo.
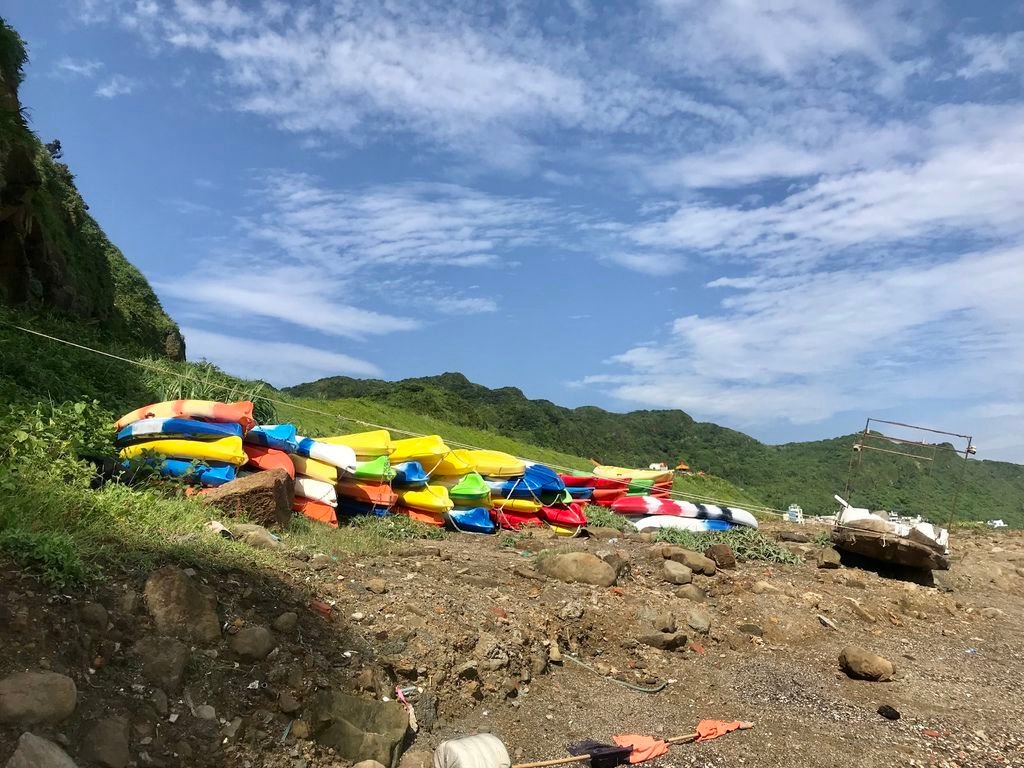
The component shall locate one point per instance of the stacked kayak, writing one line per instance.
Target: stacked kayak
(537, 497)
(653, 512)
(603, 491)
(199, 441)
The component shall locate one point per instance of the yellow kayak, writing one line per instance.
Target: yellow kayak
(452, 464)
(516, 505)
(493, 463)
(619, 473)
(227, 449)
(433, 498)
(315, 469)
(367, 445)
(428, 451)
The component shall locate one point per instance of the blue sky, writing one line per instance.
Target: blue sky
(782, 216)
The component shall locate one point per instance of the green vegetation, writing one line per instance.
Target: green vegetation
(738, 468)
(746, 543)
(603, 517)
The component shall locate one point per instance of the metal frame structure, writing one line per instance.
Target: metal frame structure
(868, 434)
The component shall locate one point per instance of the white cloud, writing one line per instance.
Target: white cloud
(991, 54)
(649, 263)
(279, 363)
(802, 348)
(117, 85)
(67, 66)
(466, 305)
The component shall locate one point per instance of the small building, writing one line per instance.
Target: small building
(659, 467)
(682, 468)
(996, 524)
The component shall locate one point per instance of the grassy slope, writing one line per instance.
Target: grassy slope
(806, 473)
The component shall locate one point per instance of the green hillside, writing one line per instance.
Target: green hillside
(805, 473)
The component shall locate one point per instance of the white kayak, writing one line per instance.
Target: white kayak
(318, 490)
(652, 522)
(340, 456)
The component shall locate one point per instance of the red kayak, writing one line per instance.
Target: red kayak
(567, 516)
(316, 510)
(607, 496)
(600, 483)
(263, 458)
(513, 521)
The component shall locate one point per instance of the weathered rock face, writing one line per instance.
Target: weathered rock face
(695, 561)
(264, 496)
(359, 729)
(864, 665)
(581, 567)
(699, 620)
(182, 608)
(676, 573)
(722, 555)
(691, 592)
(829, 558)
(163, 661)
(34, 752)
(37, 697)
(106, 743)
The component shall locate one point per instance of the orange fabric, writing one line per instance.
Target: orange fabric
(712, 729)
(644, 747)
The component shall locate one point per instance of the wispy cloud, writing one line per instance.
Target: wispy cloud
(67, 66)
(117, 85)
(279, 363)
(991, 54)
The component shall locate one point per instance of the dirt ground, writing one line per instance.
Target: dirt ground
(471, 624)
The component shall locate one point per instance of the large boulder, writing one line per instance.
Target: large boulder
(34, 752)
(359, 729)
(722, 555)
(163, 661)
(265, 497)
(253, 643)
(676, 573)
(180, 607)
(864, 665)
(37, 697)
(829, 558)
(581, 567)
(695, 561)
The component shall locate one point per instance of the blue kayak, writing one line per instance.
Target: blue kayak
(580, 492)
(548, 480)
(410, 474)
(352, 508)
(514, 488)
(154, 429)
(473, 520)
(279, 436)
(208, 475)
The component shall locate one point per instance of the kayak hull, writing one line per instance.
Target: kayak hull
(227, 450)
(317, 490)
(279, 436)
(340, 456)
(471, 520)
(208, 410)
(633, 506)
(376, 494)
(367, 445)
(189, 429)
(264, 459)
(318, 470)
(316, 510)
(410, 474)
(433, 498)
(655, 522)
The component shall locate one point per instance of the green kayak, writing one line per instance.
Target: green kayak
(378, 469)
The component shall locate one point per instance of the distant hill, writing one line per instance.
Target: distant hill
(54, 257)
(806, 473)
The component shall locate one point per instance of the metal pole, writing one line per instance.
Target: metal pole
(855, 457)
(960, 482)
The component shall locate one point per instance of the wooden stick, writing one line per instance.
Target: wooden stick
(581, 758)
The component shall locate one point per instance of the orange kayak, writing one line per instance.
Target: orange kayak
(263, 458)
(204, 410)
(316, 510)
(422, 516)
(378, 494)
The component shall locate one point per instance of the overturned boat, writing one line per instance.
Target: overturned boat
(921, 546)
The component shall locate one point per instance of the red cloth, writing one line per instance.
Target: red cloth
(712, 729)
(644, 747)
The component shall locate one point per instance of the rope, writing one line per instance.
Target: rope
(673, 494)
(660, 687)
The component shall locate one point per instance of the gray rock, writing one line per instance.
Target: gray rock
(34, 752)
(321, 562)
(699, 620)
(358, 729)
(829, 558)
(571, 611)
(253, 643)
(180, 607)
(794, 536)
(763, 587)
(617, 559)
(676, 573)
(864, 665)
(664, 641)
(163, 661)
(751, 629)
(603, 534)
(286, 622)
(106, 743)
(377, 587)
(691, 592)
(417, 758)
(368, 764)
(722, 555)
(262, 496)
(288, 704)
(37, 697)
(256, 536)
(659, 621)
(990, 613)
(708, 567)
(206, 712)
(160, 703)
(94, 616)
(692, 560)
(578, 567)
